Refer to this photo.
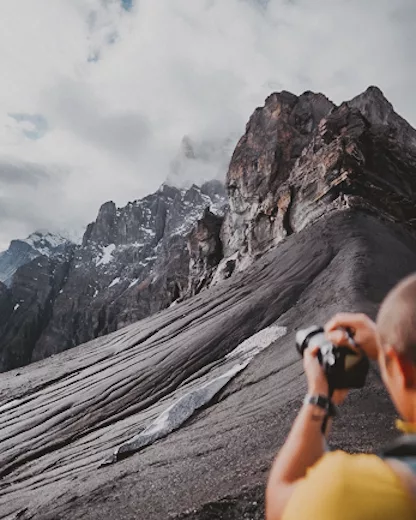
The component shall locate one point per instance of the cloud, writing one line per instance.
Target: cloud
(33, 126)
(72, 106)
(97, 95)
(26, 174)
(21, 208)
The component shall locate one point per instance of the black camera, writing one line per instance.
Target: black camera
(344, 367)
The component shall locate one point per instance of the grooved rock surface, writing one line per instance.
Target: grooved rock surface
(63, 416)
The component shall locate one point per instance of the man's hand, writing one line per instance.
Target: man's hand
(315, 375)
(317, 381)
(362, 328)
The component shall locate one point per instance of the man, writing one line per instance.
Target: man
(307, 484)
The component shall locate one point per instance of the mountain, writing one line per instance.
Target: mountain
(180, 414)
(21, 252)
(133, 262)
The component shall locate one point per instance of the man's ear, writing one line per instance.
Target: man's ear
(406, 367)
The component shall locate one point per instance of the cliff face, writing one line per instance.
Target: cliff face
(302, 158)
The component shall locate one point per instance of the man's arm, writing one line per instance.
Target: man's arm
(304, 446)
(302, 449)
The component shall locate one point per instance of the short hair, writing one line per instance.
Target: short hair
(396, 319)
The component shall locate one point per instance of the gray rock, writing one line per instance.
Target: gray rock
(133, 262)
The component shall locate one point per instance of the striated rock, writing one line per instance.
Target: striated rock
(357, 162)
(275, 137)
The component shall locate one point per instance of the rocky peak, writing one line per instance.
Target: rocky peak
(275, 137)
(374, 106)
(146, 220)
(303, 157)
(24, 251)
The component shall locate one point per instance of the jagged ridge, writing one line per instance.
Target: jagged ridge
(133, 261)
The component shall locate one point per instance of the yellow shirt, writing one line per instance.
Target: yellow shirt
(350, 487)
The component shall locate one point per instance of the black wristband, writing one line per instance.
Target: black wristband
(323, 402)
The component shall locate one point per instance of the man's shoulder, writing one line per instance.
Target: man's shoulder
(343, 473)
(342, 462)
(329, 485)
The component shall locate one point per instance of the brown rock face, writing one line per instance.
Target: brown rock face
(302, 157)
(275, 137)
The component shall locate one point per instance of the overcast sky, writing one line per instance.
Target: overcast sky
(96, 95)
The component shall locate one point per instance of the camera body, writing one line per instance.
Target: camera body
(344, 367)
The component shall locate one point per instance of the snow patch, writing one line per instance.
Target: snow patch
(183, 408)
(176, 414)
(255, 344)
(132, 283)
(115, 282)
(107, 255)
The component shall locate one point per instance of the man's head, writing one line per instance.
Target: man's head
(396, 326)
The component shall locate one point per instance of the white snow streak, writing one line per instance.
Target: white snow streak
(257, 343)
(115, 282)
(107, 255)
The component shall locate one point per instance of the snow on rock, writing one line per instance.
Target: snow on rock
(257, 343)
(45, 242)
(174, 416)
(107, 255)
(21, 252)
(185, 406)
(115, 282)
